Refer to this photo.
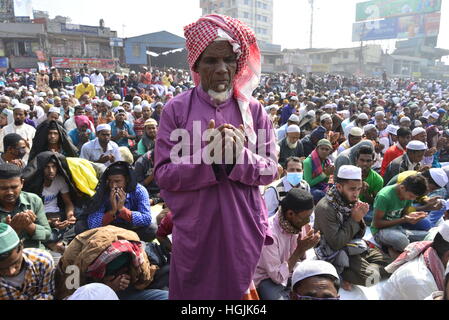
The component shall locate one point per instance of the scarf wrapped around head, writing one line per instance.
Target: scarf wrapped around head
(81, 121)
(206, 30)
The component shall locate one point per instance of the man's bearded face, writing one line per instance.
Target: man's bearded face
(217, 67)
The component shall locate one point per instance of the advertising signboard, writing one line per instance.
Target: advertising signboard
(77, 63)
(380, 9)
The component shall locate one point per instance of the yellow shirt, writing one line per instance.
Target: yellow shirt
(89, 90)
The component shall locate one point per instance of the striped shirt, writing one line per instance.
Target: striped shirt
(139, 204)
(38, 284)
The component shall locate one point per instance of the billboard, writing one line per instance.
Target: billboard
(406, 27)
(77, 63)
(380, 9)
(79, 29)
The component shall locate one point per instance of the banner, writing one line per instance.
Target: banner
(407, 27)
(77, 63)
(4, 63)
(379, 9)
(78, 29)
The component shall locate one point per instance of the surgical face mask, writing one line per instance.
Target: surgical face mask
(294, 178)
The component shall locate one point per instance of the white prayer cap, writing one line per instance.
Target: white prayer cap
(294, 118)
(311, 113)
(439, 176)
(380, 109)
(94, 291)
(418, 123)
(312, 268)
(369, 127)
(86, 80)
(55, 110)
(363, 116)
(435, 115)
(294, 98)
(107, 103)
(345, 113)
(145, 103)
(350, 173)
(417, 131)
(293, 129)
(42, 94)
(392, 129)
(16, 102)
(404, 119)
(64, 96)
(104, 127)
(379, 114)
(328, 106)
(21, 106)
(117, 97)
(416, 145)
(137, 108)
(444, 230)
(356, 132)
(325, 117)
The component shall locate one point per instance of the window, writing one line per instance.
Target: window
(246, 15)
(247, 2)
(136, 50)
(93, 50)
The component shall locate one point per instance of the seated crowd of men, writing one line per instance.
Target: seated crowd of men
(361, 196)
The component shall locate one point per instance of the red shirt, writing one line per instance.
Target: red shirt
(392, 153)
(139, 126)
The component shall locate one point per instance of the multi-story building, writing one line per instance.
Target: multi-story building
(258, 14)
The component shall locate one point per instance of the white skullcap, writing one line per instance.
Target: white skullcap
(21, 106)
(404, 119)
(105, 127)
(94, 292)
(137, 108)
(294, 118)
(345, 113)
(107, 103)
(64, 96)
(117, 97)
(350, 173)
(328, 106)
(363, 116)
(325, 117)
(369, 127)
(444, 230)
(86, 80)
(55, 110)
(145, 103)
(293, 129)
(439, 176)
(311, 113)
(416, 145)
(435, 115)
(392, 129)
(42, 94)
(380, 114)
(418, 123)
(356, 132)
(380, 109)
(294, 98)
(417, 131)
(312, 268)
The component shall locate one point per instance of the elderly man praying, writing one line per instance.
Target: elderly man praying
(215, 252)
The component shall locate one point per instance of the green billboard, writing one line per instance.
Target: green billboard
(379, 9)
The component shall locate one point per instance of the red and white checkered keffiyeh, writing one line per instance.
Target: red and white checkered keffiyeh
(201, 34)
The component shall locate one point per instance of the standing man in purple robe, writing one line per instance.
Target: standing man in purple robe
(219, 217)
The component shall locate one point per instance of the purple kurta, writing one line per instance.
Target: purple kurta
(219, 220)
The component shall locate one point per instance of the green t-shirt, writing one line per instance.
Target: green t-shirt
(375, 182)
(388, 201)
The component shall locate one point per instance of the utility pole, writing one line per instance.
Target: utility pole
(311, 2)
(362, 34)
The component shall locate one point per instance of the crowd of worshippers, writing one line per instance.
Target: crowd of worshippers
(361, 195)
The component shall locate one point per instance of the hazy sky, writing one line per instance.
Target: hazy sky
(333, 19)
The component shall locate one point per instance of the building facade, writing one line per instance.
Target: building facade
(258, 14)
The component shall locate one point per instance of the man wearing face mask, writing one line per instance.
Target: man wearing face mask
(293, 178)
(293, 236)
(15, 150)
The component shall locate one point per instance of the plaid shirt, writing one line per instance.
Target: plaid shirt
(39, 283)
